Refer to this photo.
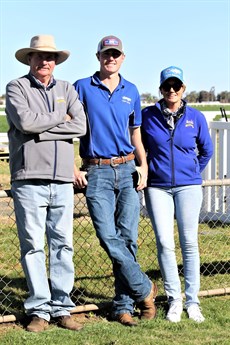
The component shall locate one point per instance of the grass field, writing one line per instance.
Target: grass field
(4, 124)
(94, 284)
(98, 331)
(209, 107)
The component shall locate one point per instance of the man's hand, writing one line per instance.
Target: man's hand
(80, 180)
(68, 117)
(140, 154)
(142, 172)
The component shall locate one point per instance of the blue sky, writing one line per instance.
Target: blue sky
(194, 35)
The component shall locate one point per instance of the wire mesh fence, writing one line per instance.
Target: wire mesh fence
(94, 276)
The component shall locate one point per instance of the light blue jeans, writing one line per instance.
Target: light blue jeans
(46, 207)
(114, 207)
(184, 203)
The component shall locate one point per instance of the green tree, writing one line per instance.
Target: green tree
(147, 97)
(192, 97)
(224, 97)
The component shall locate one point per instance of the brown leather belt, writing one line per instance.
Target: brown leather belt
(108, 161)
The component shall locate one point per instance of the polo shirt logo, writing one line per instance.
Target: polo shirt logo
(126, 99)
(189, 123)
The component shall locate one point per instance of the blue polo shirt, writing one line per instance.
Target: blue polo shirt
(109, 117)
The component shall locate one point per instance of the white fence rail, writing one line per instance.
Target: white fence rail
(4, 148)
(3, 138)
(216, 177)
(216, 203)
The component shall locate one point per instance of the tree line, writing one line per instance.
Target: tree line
(191, 97)
(194, 97)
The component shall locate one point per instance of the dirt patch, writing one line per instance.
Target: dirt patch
(5, 327)
(82, 318)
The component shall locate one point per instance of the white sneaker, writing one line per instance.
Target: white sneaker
(194, 313)
(175, 311)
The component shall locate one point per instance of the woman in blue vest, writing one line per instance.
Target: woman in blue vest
(179, 146)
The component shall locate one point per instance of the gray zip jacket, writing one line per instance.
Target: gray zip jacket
(40, 140)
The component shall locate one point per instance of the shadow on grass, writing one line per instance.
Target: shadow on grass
(206, 269)
(13, 291)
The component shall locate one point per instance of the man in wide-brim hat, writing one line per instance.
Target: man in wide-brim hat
(44, 115)
(42, 43)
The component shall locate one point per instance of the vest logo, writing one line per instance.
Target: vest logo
(189, 123)
(126, 99)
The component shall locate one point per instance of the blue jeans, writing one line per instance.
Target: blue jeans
(184, 203)
(46, 207)
(114, 206)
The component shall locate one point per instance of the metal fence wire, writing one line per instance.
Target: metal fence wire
(93, 271)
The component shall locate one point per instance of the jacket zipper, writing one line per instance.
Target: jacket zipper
(172, 155)
(55, 142)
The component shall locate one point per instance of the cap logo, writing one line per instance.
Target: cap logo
(111, 42)
(174, 70)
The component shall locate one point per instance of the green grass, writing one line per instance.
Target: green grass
(3, 124)
(211, 107)
(94, 284)
(218, 117)
(98, 331)
(94, 278)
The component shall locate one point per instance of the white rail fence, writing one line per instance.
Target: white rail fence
(216, 177)
(216, 203)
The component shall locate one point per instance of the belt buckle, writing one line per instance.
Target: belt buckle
(113, 165)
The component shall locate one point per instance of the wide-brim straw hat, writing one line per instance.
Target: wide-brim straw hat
(41, 43)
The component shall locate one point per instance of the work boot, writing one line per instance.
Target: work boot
(66, 321)
(37, 325)
(147, 306)
(126, 320)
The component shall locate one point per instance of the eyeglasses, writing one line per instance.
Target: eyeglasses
(114, 53)
(167, 87)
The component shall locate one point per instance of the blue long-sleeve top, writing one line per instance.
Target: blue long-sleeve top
(175, 157)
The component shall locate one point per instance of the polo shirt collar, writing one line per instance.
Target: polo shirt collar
(96, 80)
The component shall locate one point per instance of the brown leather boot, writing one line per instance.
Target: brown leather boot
(37, 324)
(147, 306)
(126, 320)
(66, 321)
